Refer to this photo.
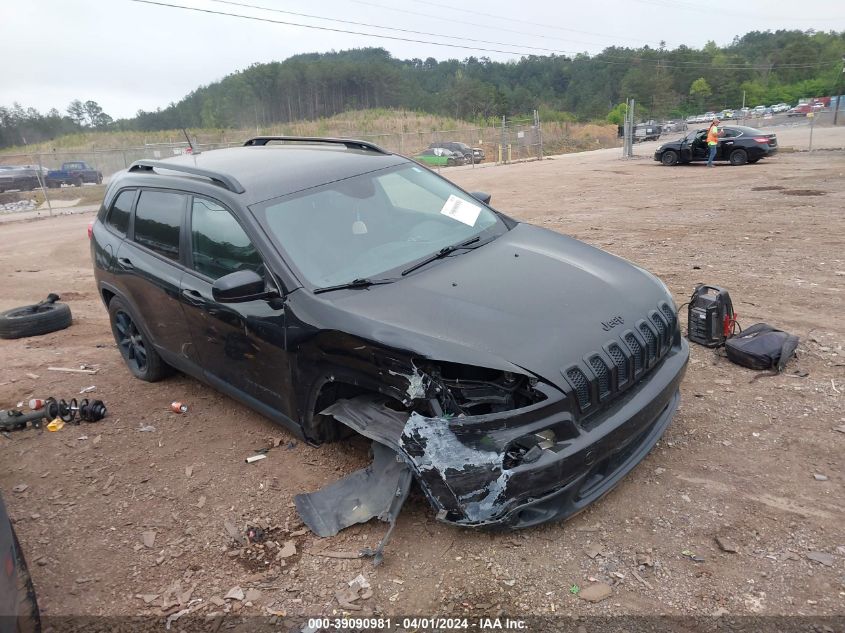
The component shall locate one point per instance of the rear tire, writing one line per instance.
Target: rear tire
(670, 158)
(738, 157)
(137, 349)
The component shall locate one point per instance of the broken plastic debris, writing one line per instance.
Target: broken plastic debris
(56, 425)
(691, 556)
(379, 490)
(88, 389)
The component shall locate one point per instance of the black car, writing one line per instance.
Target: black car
(22, 178)
(470, 154)
(331, 285)
(18, 604)
(738, 145)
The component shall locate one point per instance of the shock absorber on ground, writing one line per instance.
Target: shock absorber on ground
(74, 412)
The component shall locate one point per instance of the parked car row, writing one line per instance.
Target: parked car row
(741, 113)
(21, 177)
(449, 153)
(31, 177)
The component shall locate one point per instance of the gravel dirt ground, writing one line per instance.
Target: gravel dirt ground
(119, 520)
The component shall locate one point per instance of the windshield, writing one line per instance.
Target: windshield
(369, 225)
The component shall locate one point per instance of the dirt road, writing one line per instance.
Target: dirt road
(755, 461)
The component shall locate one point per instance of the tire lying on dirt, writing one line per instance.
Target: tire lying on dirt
(32, 320)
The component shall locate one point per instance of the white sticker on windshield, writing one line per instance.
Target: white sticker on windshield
(461, 210)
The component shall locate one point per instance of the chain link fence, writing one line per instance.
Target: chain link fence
(512, 140)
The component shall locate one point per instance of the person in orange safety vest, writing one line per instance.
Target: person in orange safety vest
(713, 134)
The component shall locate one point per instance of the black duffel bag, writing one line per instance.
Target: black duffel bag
(761, 347)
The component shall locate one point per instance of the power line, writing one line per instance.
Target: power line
(389, 28)
(689, 6)
(602, 59)
(510, 19)
(483, 26)
(325, 28)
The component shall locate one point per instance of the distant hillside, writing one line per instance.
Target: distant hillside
(764, 67)
(768, 67)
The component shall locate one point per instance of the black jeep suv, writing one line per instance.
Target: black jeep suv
(331, 285)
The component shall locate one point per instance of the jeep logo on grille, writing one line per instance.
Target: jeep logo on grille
(612, 323)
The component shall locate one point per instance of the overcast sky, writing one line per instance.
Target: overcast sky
(129, 56)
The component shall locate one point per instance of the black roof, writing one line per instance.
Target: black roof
(270, 171)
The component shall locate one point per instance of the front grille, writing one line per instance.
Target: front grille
(637, 350)
(663, 334)
(650, 343)
(604, 374)
(581, 385)
(618, 357)
(670, 315)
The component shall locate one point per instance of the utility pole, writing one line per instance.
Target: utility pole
(839, 94)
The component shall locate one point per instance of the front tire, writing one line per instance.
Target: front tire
(738, 157)
(137, 350)
(28, 617)
(670, 158)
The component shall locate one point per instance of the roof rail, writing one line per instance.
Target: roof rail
(223, 180)
(348, 142)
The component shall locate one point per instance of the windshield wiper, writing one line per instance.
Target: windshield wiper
(363, 282)
(443, 252)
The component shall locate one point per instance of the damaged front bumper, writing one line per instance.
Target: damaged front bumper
(473, 474)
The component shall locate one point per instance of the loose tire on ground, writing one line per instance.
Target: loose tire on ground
(669, 158)
(34, 320)
(137, 350)
(738, 157)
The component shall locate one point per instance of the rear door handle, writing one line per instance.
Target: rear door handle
(125, 262)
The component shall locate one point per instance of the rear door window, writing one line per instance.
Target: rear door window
(219, 245)
(118, 217)
(158, 220)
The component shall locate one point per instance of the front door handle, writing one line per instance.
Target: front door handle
(192, 296)
(125, 262)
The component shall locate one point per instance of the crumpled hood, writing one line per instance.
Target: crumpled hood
(531, 299)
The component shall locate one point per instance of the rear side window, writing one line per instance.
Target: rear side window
(158, 217)
(118, 217)
(219, 244)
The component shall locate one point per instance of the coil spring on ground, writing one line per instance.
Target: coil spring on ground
(87, 411)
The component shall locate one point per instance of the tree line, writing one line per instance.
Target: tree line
(767, 67)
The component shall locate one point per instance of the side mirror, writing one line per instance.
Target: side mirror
(240, 286)
(483, 197)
